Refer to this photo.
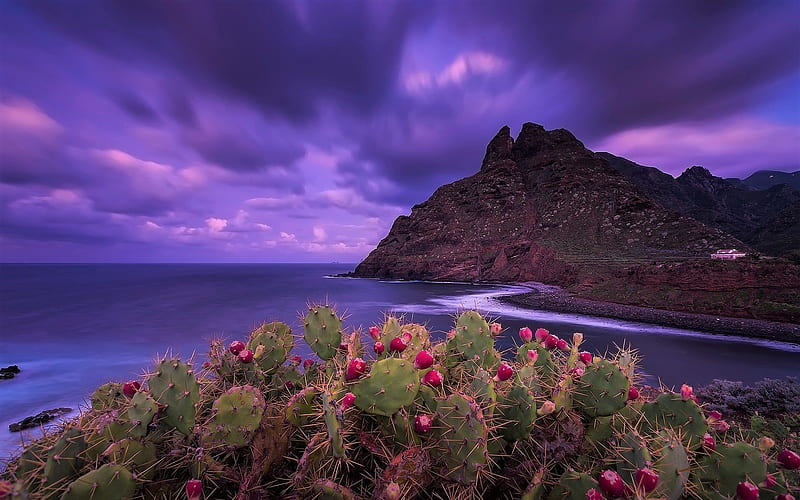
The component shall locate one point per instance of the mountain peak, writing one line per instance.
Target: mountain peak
(534, 139)
(697, 172)
(499, 149)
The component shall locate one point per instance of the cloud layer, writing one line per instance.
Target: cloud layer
(297, 130)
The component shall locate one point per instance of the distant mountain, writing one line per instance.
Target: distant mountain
(765, 179)
(736, 208)
(541, 208)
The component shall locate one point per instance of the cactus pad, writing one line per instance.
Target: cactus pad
(237, 415)
(173, 385)
(323, 331)
(463, 439)
(602, 390)
(671, 411)
(271, 343)
(391, 384)
(141, 412)
(109, 482)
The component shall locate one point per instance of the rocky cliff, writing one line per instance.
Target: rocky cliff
(541, 208)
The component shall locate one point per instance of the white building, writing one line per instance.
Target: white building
(728, 254)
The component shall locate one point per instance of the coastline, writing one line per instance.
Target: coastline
(554, 299)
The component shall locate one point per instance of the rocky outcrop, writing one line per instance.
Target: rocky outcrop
(541, 208)
(737, 208)
(39, 419)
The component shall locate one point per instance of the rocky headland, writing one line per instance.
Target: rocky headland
(544, 208)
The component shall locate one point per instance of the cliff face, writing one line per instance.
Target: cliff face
(737, 208)
(541, 208)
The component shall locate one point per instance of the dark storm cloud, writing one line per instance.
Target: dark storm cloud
(285, 57)
(238, 150)
(180, 108)
(642, 63)
(135, 106)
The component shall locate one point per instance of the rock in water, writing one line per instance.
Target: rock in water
(40, 418)
(9, 372)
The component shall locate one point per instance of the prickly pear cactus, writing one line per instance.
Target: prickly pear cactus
(518, 409)
(333, 424)
(602, 390)
(65, 457)
(573, 485)
(323, 331)
(174, 386)
(141, 412)
(109, 482)
(108, 396)
(472, 340)
(671, 411)
(721, 471)
(672, 464)
(301, 406)
(391, 384)
(634, 454)
(237, 415)
(463, 438)
(271, 343)
(138, 456)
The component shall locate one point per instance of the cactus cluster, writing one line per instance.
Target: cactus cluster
(422, 418)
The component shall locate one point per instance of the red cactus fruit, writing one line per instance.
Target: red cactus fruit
(562, 345)
(585, 357)
(347, 401)
(308, 363)
(611, 483)
(236, 347)
(633, 394)
(550, 342)
(541, 334)
(343, 346)
(374, 332)
(504, 372)
(296, 359)
(533, 355)
(646, 479)
(768, 482)
(686, 392)
(194, 489)
(398, 344)
(246, 356)
(709, 443)
(785, 496)
(747, 491)
(525, 334)
(355, 369)
(433, 378)
(714, 415)
(407, 336)
(594, 494)
(378, 347)
(423, 424)
(130, 388)
(423, 360)
(789, 459)
(289, 385)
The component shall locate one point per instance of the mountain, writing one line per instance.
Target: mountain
(765, 179)
(736, 208)
(541, 208)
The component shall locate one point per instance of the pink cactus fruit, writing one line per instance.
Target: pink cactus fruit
(495, 328)
(296, 359)
(347, 401)
(407, 336)
(747, 491)
(355, 369)
(768, 482)
(525, 334)
(547, 408)
(551, 342)
(593, 494)
(236, 347)
(585, 357)
(533, 355)
(541, 334)
(423, 360)
(709, 443)
(562, 345)
(194, 489)
(375, 332)
(378, 347)
(423, 423)
(789, 459)
(633, 394)
(308, 363)
(785, 496)
(433, 378)
(611, 483)
(686, 392)
(130, 388)
(398, 344)
(246, 356)
(343, 346)
(504, 372)
(646, 479)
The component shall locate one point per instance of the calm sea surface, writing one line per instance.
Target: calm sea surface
(71, 328)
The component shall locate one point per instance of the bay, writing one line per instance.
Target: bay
(71, 328)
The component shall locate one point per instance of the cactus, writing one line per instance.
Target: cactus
(109, 482)
(518, 408)
(572, 485)
(409, 471)
(546, 369)
(323, 331)
(174, 386)
(391, 384)
(473, 340)
(107, 397)
(141, 412)
(333, 424)
(602, 390)
(64, 458)
(720, 472)
(634, 455)
(463, 439)
(329, 490)
(673, 467)
(271, 343)
(682, 415)
(237, 415)
(301, 406)
(138, 456)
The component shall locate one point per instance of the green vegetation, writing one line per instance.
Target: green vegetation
(427, 419)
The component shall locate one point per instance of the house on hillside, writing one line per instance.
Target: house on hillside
(727, 254)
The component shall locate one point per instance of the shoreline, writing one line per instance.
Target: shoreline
(550, 298)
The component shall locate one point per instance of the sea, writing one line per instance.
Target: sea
(71, 328)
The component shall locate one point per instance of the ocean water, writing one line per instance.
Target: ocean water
(71, 328)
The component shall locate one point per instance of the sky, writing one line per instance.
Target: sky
(297, 131)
